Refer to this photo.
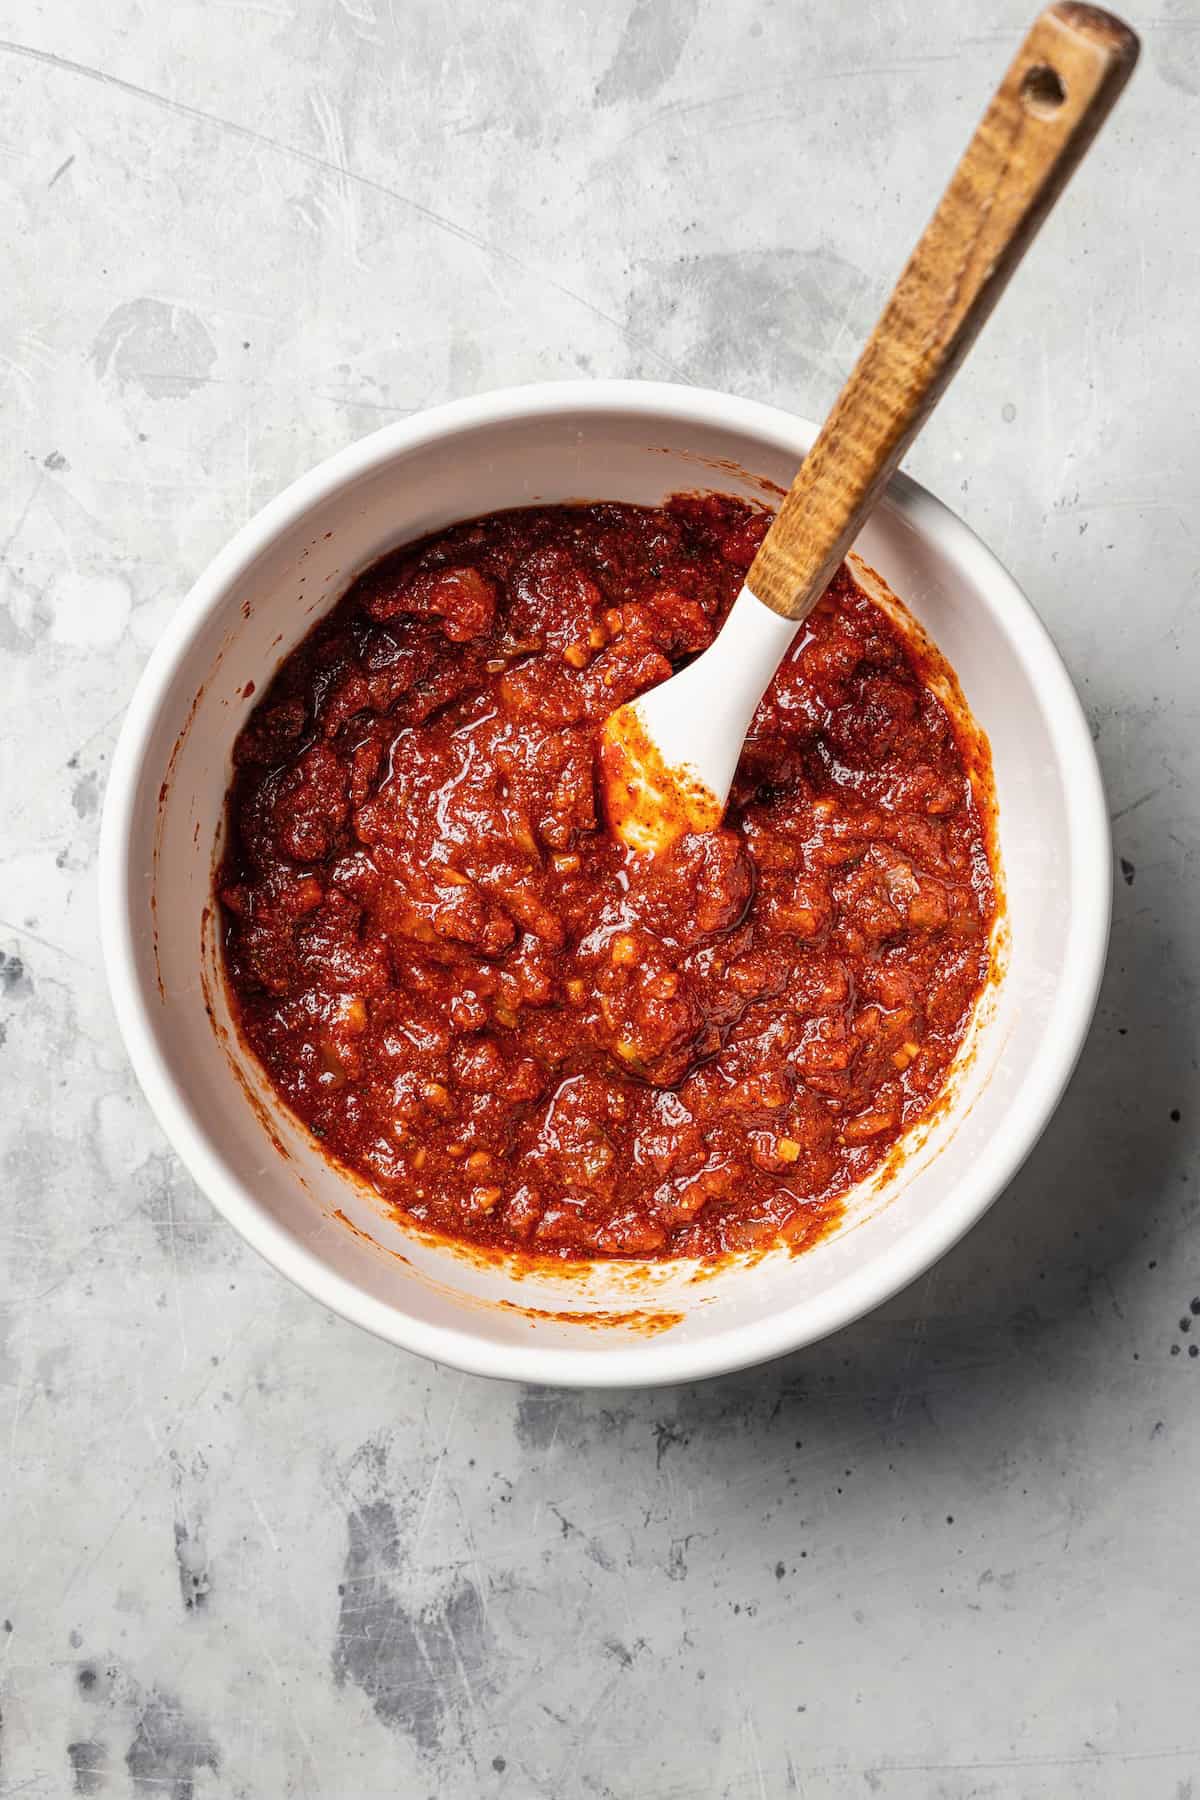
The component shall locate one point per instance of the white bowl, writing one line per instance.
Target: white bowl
(607, 1324)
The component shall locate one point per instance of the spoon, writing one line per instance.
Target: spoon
(667, 759)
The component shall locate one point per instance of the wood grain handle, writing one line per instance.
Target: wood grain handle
(1045, 113)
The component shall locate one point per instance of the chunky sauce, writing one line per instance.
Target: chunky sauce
(521, 1033)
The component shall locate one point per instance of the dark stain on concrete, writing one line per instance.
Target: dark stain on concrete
(651, 43)
(784, 324)
(592, 1547)
(1176, 46)
(539, 1417)
(545, 1417)
(677, 1568)
(185, 1224)
(191, 1560)
(14, 982)
(418, 1666)
(23, 640)
(89, 1761)
(85, 796)
(665, 1438)
(164, 350)
(169, 1748)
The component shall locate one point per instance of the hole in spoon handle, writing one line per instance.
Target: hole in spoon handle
(1042, 90)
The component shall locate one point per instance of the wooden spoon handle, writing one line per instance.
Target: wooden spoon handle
(1045, 113)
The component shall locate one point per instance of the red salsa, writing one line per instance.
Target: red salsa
(525, 1036)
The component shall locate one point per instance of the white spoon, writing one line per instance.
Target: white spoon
(668, 758)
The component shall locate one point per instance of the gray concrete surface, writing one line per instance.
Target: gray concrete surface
(248, 1551)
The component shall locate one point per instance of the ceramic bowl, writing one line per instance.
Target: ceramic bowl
(601, 1324)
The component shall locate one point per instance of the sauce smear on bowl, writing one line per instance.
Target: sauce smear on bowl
(521, 1033)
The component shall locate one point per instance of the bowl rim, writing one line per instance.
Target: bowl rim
(656, 1361)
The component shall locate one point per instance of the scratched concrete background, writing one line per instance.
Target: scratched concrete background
(248, 1551)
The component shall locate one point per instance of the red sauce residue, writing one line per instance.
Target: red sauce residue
(523, 1036)
(725, 465)
(365, 1236)
(647, 803)
(159, 828)
(643, 1320)
(247, 690)
(210, 958)
(647, 1324)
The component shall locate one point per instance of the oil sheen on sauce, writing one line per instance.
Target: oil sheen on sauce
(521, 1033)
